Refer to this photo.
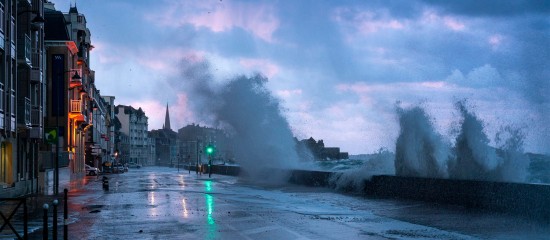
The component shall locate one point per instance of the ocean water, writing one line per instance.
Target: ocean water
(372, 164)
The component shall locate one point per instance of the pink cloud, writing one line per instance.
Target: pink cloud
(495, 40)
(432, 18)
(152, 109)
(180, 112)
(453, 24)
(258, 19)
(262, 65)
(367, 22)
(289, 92)
(166, 60)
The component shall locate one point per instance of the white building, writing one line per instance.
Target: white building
(134, 124)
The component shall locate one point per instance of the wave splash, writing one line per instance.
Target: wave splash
(422, 152)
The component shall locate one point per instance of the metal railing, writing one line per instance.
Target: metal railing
(76, 106)
(1, 97)
(9, 210)
(36, 116)
(35, 59)
(27, 111)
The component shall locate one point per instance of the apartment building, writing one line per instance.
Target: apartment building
(133, 135)
(110, 128)
(21, 91)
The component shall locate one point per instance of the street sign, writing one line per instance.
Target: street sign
(51, 135)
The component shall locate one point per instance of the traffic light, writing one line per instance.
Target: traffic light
(209, 149)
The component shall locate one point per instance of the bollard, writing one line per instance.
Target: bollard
(54, 219)
(65, 215)
(45, 226)
(25, 221)
(105, 183)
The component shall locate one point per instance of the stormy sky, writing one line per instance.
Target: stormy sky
(338, 67)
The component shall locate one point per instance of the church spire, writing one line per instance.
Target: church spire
(167, 119)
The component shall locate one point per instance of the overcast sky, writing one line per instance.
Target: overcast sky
(338, 67)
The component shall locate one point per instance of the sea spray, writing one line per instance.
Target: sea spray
(247, 111)
(420, 151)
(380, 163)
(475, 159)
(515, 162)
(262, 136)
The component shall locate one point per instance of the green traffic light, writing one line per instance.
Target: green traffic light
(209, 150)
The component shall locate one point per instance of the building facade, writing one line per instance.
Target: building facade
(21, 91)
(110, 128)
(134, 141)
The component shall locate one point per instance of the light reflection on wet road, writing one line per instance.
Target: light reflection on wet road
(160, 203)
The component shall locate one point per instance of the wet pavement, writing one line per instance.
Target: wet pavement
(162, 203)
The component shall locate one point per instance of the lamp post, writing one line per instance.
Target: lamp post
(75, 77)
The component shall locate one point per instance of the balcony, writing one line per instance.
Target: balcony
(2, 40)
(27, 108)
(76, 106)
(24, 45)
(36, 116)
(76, 111)
(24, 110)
(36, 75)
(1, 98)
(37, 120)
(36, 58)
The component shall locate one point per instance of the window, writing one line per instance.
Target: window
(12, 30)
(2, 18)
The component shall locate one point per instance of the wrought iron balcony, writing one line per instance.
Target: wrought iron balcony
(76, 106)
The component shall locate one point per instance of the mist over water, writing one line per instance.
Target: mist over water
(246, 110)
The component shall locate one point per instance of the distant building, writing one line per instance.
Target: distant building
(309, 148)
(194, 138)
(110, 128)
(165, 144)
(133, 135)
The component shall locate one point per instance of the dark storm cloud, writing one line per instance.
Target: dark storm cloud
(493, 8)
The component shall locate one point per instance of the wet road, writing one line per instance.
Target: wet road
(160, 203)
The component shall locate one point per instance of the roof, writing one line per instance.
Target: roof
(130, 111)
(55, 27)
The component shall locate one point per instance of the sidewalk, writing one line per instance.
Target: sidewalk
(35, 213)
(35, 210)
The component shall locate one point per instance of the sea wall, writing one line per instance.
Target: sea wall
(532, 200)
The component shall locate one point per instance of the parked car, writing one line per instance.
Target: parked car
(91, 171)
(134, 165)
(119, 168)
